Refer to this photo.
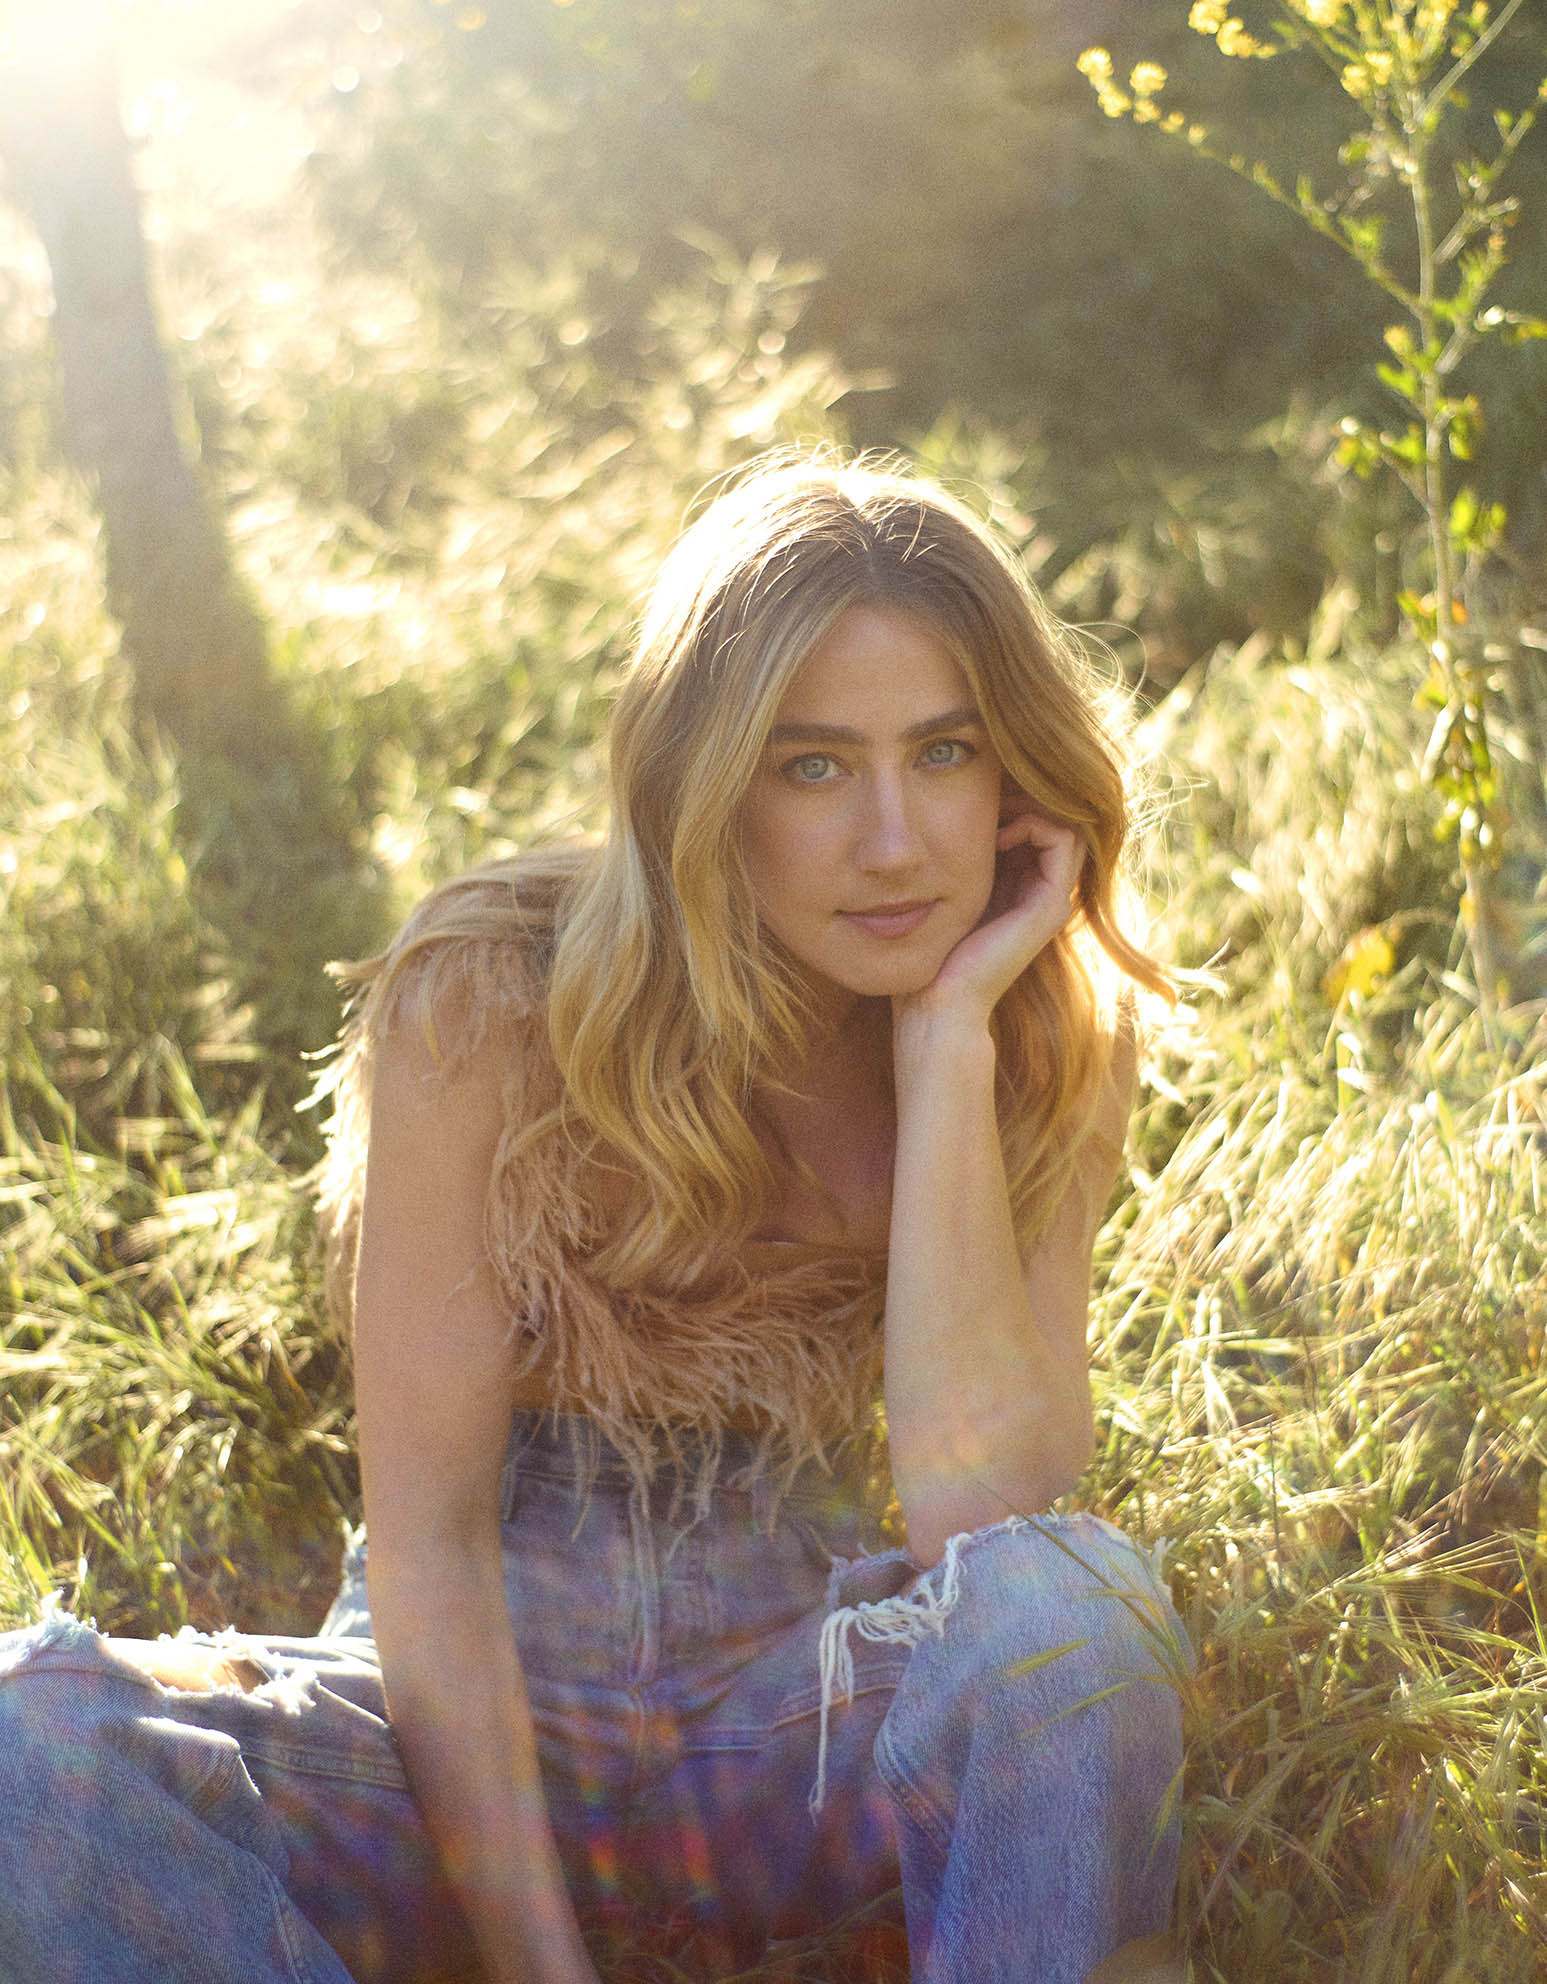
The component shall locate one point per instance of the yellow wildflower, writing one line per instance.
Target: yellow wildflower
(1207, 16)
(1234, 40)
(1378, 62)
(1147, 79)
(1321, 13)
(1095, 65)
(1356, 79)
(1114, 102)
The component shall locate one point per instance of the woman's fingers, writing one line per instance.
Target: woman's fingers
(1039, 863)
(1039, 866)
(1024, 826)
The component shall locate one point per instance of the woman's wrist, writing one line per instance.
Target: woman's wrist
(929, 1032)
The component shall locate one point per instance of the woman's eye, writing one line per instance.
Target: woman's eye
(946, 751)
(812, 768)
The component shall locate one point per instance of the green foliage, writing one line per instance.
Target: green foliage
(174, 1432)
(104, 957)
(1326, 1314)
(1407, 69)
(982, 244)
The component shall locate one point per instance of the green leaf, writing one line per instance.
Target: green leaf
(1364, 235)
(1407, 447)
(1017, 1669)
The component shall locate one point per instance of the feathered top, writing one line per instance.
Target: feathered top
(789, 1348)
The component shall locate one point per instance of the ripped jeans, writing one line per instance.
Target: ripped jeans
(745, 1736)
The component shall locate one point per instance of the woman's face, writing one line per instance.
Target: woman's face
(868, 830)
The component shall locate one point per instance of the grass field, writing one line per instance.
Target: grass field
(1319, 1316)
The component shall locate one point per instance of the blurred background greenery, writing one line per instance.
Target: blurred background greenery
(454, 308)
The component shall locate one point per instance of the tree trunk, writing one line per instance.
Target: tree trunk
(197, 645)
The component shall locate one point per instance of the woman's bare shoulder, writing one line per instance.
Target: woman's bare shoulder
(472, 962)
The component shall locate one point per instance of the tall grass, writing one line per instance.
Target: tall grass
(1320, 1333)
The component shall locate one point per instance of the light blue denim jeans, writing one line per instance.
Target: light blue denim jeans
(746, 1733)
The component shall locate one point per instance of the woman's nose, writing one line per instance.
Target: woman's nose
(889, 836)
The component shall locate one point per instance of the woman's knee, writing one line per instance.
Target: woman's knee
(1035, 1590)
(78, 1713)
(60, 1701)
(1050, 1697)
(47, 1677)
(1040, 1618)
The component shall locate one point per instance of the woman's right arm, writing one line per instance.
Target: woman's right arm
(433, 1386)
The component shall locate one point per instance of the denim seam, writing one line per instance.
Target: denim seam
(803, 1702)
(803, 1707)
(284, 1909)
(215, 1783)
(910, 1798)
(308, 1763)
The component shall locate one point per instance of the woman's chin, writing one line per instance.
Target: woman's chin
(876, 970)
(894, 978)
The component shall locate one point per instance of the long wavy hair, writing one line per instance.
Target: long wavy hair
(669, 1006)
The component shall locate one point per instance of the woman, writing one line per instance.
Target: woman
(802, 1093)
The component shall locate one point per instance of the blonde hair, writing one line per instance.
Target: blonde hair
(667, 1004)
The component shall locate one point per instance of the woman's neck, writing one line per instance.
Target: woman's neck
(829, 1130)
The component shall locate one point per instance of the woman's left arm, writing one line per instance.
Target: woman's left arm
(987, 1375)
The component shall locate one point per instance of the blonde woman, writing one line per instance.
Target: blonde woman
(667, 1173)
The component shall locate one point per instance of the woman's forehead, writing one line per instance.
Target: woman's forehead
(875, 665)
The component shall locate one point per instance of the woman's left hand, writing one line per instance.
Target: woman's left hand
(1038, 866)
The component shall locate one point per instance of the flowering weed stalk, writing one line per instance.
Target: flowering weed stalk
(1404, 65)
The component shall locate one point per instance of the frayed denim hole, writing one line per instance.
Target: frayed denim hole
(913, 1604)
(873, 1580)
(58, 1632)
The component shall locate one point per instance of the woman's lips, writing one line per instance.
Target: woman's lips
(889, 919)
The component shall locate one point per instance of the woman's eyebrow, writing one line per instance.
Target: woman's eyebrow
(843, 733)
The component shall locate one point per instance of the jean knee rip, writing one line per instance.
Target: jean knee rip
(901, 1620)
(57, 1631)
(61, 1640)
(286, 1684)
